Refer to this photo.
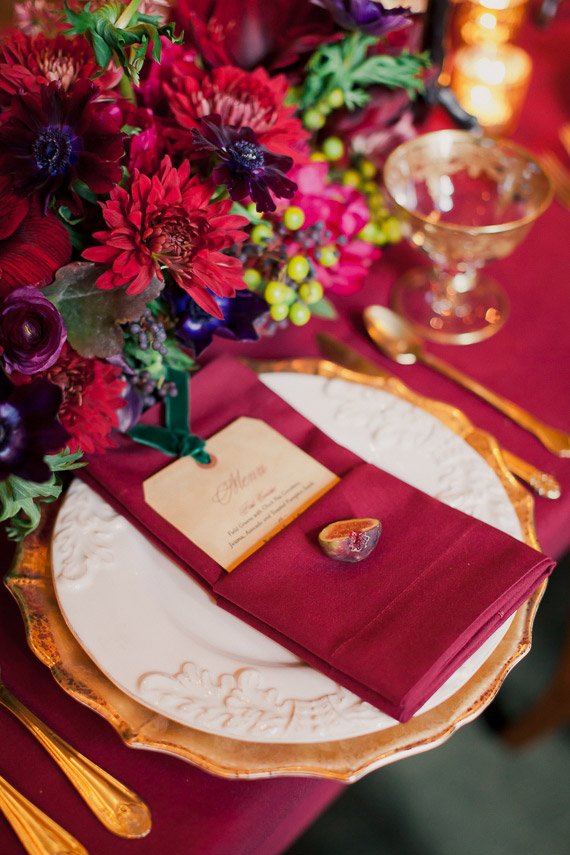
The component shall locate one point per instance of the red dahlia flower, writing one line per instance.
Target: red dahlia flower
(92, 392)
(242, 99)
(167, 222)
(32, 246)
(272, 33)
(28, 62)
(52, 137)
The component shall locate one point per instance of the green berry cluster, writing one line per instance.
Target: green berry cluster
(383, 228)
(315, 118)
(286, 301)
(287, 284)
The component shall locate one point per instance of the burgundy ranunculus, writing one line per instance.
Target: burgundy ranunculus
(28, 428)
(32, 331)
(53, 137)
(32, 245)
(248, 168)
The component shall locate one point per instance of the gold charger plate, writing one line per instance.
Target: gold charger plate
(30, 581)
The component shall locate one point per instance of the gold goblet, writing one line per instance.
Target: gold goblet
(464, 200)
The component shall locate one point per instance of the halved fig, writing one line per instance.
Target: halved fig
(350, 540)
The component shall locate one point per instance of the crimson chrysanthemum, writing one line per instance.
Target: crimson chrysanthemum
(92, 391)
(167, 222)
(242, 99)
(27, 62)
(32, 246)
(52, 138)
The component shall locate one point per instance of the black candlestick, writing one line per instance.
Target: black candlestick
(434, 42)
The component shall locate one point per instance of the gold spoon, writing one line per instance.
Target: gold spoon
(39, 834)
(115, 805)
(397, 340)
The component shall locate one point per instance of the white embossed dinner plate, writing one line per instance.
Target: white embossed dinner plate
(159, 637)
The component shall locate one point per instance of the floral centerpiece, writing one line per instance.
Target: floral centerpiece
(167, 175)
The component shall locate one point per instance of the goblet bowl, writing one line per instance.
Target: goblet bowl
(464, 200)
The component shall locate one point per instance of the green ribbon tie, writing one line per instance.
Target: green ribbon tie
(174, 439)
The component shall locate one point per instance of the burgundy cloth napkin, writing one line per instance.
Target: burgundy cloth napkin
(392, 628)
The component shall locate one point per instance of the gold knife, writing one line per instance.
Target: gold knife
(543, 484)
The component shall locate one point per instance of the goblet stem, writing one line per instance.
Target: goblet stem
(450, 305)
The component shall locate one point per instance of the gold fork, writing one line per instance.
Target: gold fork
(115, 805)
(39, 834)
(559, 176)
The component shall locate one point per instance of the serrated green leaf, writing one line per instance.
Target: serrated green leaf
(345, 65)
(64, 460)
(92, 316)
(108, 39)
(20, 500)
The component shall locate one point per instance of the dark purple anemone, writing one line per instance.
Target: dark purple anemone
(196, 327)
(366, 16)
(32, 331)
(248, 168)
(51, 138)
(28, 428)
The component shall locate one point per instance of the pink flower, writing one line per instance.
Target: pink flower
(167, 222)
(342, 213)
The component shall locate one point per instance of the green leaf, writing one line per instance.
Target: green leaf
(254, 219)
(20, 500)
(127, 44)
(178, 358)
(83, 190)
(130, 130)
(67, 216)
(324, 309)
(19, 503)
(345, 65)
(92, 316)
(64, 460)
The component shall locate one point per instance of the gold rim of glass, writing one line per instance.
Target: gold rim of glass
(497, 228)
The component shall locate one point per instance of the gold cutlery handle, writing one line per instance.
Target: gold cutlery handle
(545, 485)
(556, 441)
(115, 805)
(39, 834)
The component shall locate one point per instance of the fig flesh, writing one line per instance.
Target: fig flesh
(350, 540)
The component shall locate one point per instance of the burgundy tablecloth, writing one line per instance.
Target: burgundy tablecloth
(193, 812)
